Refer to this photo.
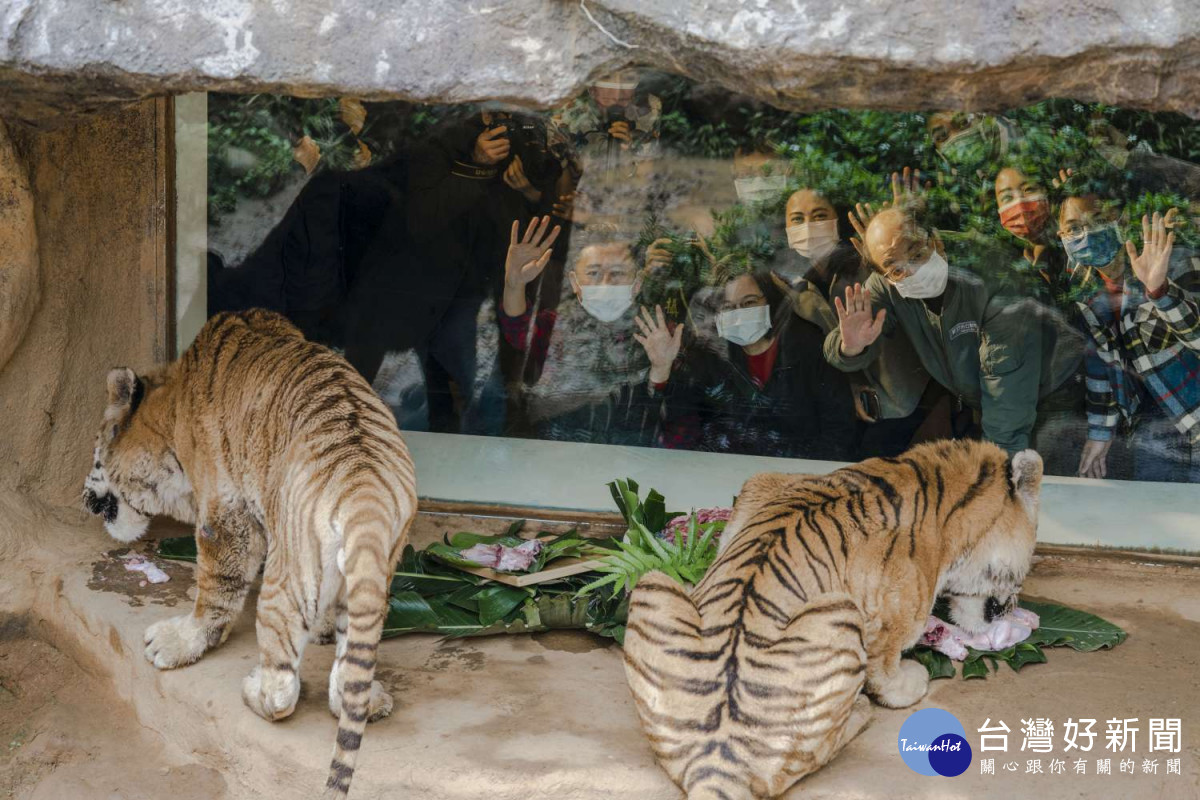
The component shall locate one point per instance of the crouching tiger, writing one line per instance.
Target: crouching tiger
(278, 452)
(752, 680)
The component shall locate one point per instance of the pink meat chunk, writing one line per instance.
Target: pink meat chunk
(506, 559)
(1001, 633)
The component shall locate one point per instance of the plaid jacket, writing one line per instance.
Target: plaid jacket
(1154, 347)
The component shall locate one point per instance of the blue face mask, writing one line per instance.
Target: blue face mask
(1096, 247)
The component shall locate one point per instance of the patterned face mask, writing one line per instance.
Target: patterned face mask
(1095, 247)
(1025, 217)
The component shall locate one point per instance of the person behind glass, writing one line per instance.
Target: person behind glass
(1024, 210)
(995, 353)
(591, 373)
(761, 389)
(466, 181)
(825, 263)
(1142, 311)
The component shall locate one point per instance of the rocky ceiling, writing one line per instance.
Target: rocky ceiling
(63, 57)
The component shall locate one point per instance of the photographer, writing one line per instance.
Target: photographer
(426, 279)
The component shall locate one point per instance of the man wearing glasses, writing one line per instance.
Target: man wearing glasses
(999, 355)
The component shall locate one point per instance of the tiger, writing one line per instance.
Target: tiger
(754, 679)
(283, 458)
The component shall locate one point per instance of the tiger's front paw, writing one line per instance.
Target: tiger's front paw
(905, 687)
(175, 642)
(271, 693)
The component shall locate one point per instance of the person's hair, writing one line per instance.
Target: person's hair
(841, 210)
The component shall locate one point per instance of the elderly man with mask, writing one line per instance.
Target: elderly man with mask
(589, 373)
(997, 354)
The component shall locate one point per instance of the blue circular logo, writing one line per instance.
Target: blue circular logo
(934, 742)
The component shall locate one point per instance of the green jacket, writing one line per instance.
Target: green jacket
(997, 352)
(897, 376)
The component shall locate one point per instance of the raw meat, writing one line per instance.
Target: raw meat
(1001, 633)
(506, 559)
(137, 563)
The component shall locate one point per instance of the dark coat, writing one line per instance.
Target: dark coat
(803, 411)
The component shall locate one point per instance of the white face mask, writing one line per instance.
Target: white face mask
(744, 326)
(928, 281)
(760, 188)
(813, 240)
(606, 303)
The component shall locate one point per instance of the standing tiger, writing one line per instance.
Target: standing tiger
(752, 680)
(278, 452)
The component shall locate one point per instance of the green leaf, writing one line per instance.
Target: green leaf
(497, 600)
(178, 548)
(408, 611)
(974, 669)
(1076, 629)
(426, 585)
(938, 664)
(1026, 654)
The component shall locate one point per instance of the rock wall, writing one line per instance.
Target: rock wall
(96, 190)
(798, 54)
(19, 285)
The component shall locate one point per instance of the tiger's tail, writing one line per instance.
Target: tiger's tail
(367, 545)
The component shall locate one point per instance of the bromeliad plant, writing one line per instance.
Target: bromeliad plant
(685, 557)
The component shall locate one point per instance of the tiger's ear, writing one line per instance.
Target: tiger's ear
(1025, 475)
(125, 392)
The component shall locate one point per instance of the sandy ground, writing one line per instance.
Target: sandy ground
(67, 735)
(545, 716)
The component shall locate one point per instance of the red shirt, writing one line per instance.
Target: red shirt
(1116, 290)
(760, 366)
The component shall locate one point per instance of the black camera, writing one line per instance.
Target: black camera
(527, 138)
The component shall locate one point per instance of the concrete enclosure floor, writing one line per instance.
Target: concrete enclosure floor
(528, 717)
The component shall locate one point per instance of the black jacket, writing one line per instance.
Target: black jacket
(803, 411)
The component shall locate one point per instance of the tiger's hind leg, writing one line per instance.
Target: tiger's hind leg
(230, 546)
(380, 703)
(273, 686)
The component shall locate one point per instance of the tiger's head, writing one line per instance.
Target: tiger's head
(135, 474)
(984, 580)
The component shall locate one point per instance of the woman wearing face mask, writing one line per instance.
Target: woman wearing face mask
(586, 375)
(823, 265)
(761, 388)
(1024, 209)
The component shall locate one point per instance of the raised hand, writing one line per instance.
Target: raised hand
(528, 255)
(489, 149)
(860, 217)
(859, 330)
(660, 343)
(1151, 266)
(906, 186)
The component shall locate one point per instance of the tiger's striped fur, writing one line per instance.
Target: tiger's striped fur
(752, 680)
(280, 454)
